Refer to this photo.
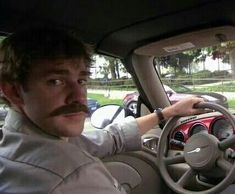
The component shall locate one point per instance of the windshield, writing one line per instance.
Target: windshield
(208, 72)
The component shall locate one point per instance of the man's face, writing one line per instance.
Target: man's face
(54, 95)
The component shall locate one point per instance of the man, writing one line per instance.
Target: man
(43, 78)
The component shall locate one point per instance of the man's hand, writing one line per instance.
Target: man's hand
(184, 107)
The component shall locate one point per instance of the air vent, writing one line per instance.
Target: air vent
(179, 136)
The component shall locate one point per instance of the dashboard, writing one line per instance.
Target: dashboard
(212, 123)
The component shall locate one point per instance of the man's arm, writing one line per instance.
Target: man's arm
(126, 136)
(115, 138)
(181, 108)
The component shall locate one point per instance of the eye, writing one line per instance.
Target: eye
(56, 82)
(82, 81)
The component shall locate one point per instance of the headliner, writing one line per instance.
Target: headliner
(117, 27)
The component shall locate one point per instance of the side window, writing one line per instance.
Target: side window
(110, 83)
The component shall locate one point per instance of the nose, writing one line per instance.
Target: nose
(77, 93)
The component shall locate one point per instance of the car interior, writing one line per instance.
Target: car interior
(188, 155)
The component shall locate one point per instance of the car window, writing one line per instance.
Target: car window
(207, 72)
(109, 83)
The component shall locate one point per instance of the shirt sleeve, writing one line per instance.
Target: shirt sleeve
(115, 138)
(88, 179)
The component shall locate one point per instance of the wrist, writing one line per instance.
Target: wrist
(167, 113)
(159, 115)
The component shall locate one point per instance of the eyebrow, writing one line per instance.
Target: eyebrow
(65, 72)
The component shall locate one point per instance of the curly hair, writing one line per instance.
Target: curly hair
(21, 50)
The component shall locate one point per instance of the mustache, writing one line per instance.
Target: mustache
(71, 108)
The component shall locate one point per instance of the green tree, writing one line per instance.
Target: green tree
(178, 61)
(114, 65)
(226, 52)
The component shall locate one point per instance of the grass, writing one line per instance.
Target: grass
(218, 88)
(104, 100)
(231, 103)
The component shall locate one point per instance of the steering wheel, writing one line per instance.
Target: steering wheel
(202, 152)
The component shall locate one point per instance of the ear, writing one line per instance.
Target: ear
(12, 93)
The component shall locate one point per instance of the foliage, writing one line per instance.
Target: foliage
(180, 79)
(222, 51)
(104, 100)
(231, 103)
(112, 66)
(221, 74)
(198, 55)
(224, 87)
(178, 61)
(184, 60)
(202, 74)
(111, 84)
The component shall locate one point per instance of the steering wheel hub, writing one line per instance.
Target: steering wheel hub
(201, 151)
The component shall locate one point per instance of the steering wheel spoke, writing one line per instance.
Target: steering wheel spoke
(227, 143)
(224, 164)
(174, 159)
(186, 177)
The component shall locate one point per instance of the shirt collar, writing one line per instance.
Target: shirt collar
(18, 122)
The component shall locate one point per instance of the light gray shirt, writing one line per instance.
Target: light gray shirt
(33, 162)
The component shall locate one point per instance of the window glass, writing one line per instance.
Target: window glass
(208, 72)
(110, 83)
